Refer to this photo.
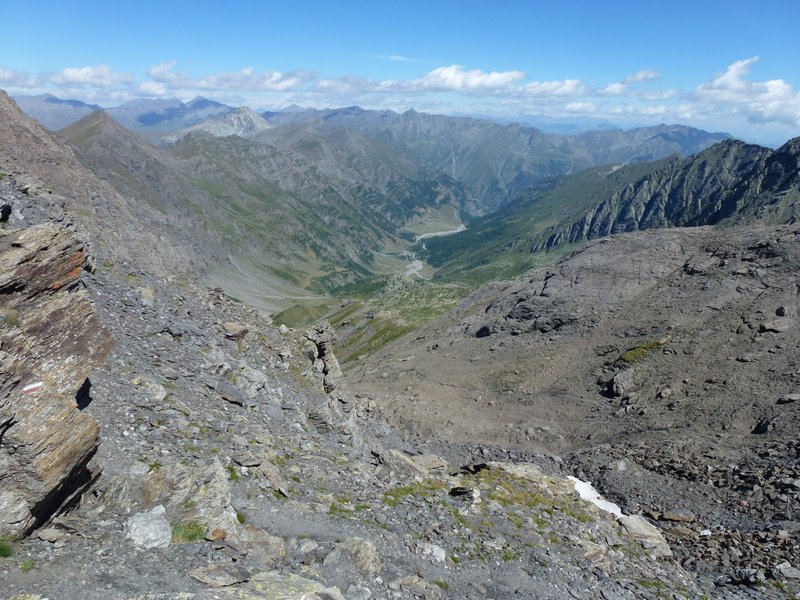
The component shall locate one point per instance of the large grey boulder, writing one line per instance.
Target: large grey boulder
(149, 529)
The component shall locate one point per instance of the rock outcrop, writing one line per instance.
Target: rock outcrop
(323, 338)
(731, 180)
(49, 342)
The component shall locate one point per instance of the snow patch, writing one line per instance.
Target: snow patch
(587, 492)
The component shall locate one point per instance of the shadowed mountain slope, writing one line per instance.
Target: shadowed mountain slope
(730, 182)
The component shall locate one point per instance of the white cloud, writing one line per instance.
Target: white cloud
(760, 102)
(99, 76)
(163, 73)
(455, 79)
(245, 80)
(657, 95)
(567, 87)
(581, 107)
(152, 88)
(644, 76)
(614, 89)
(625, 86)
(16, 79)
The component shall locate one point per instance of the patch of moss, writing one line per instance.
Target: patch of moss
(441, 584)
(395, 495)
(241, 517)
(427, 488)
(6, 549)
(233, 474)
(651, 584)
(639, 353)
(187, 531)
(27, 565)
(510, 555)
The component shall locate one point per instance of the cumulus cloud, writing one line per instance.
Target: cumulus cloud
(759, 101)
(625, 86)
(644, 76)
(245, 80)
(17, 79)
(581, 107)
(455, 79)
(567, 87)
(99, 76)
(443, 79)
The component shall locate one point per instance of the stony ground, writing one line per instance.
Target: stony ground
(660, 366)
(267, 481)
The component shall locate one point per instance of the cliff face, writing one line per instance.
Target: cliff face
(49, 342)
(731, 180)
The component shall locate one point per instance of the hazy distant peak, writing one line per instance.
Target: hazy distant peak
(200, 102)
(52, 112)
(243, 122)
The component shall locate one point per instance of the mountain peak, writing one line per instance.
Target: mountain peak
(91, 126)
(199, 102)
(243, 122)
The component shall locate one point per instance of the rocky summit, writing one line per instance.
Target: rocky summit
(619, 424)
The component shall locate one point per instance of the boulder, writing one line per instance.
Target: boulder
(194, 494)
(648, 535)
(51, 340)
(220, 575)
(235, 331)
(149, 529)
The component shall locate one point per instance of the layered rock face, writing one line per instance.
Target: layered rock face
(50, 339)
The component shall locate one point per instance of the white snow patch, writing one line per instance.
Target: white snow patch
(587, 492)
(32, 386)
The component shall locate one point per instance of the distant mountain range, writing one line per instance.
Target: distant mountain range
(494, 162)
(316, 198)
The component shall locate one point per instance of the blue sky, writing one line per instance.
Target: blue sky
(729, 66)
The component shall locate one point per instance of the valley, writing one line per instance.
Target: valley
(353, 354)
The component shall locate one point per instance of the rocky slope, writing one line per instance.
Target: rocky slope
(233, 465)
(732, 180)
(235, 460)
(48, 168)
(659, 364)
